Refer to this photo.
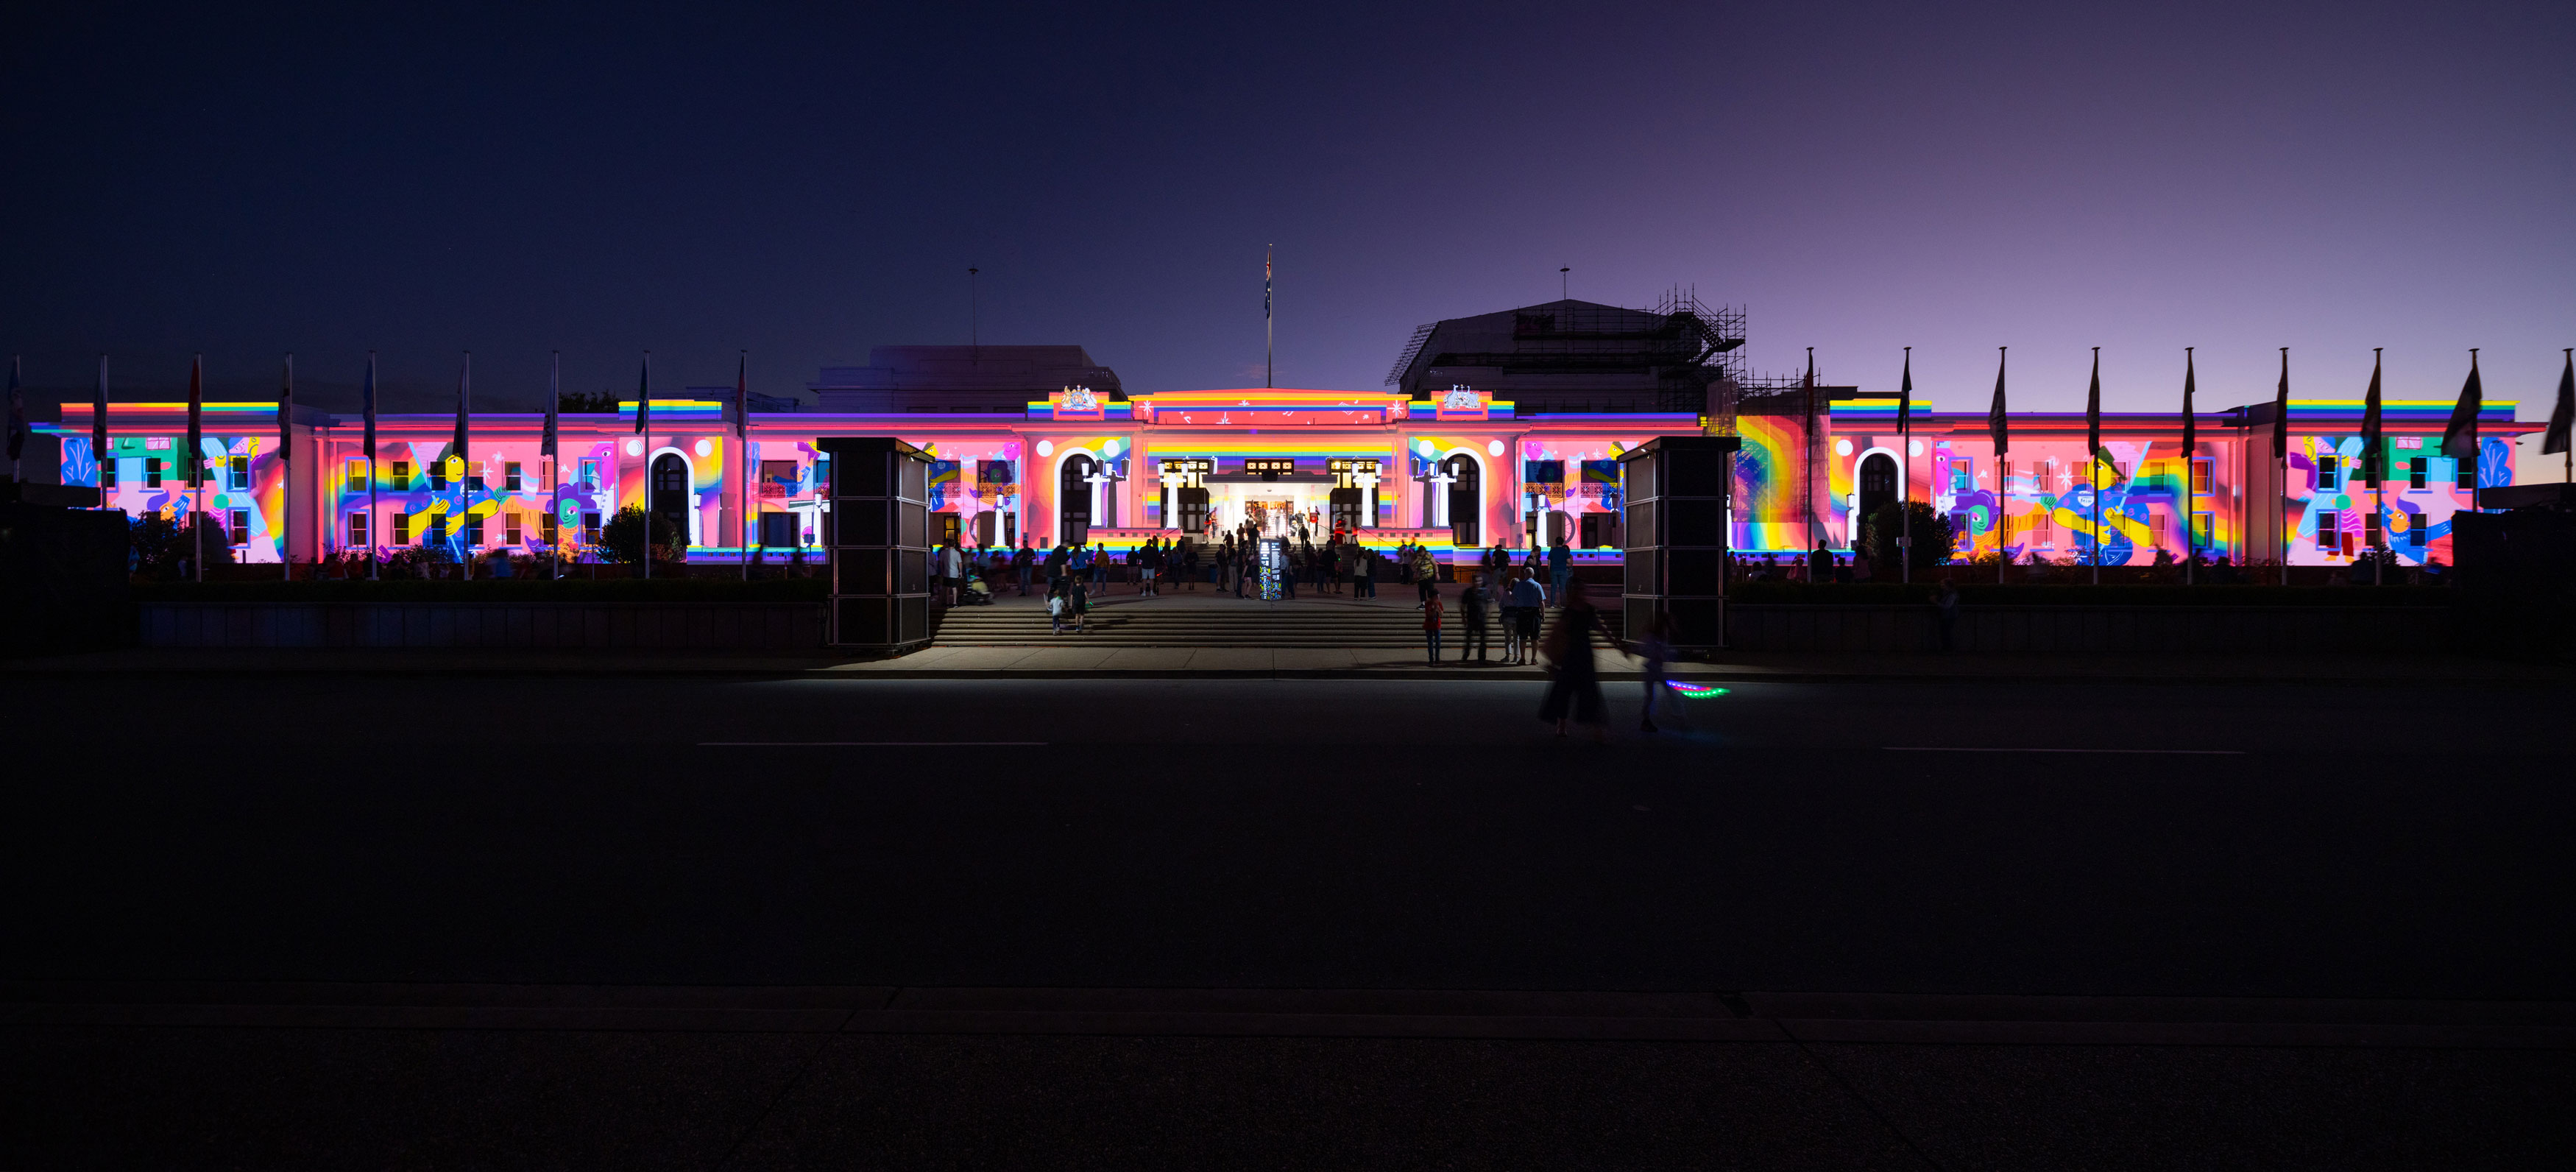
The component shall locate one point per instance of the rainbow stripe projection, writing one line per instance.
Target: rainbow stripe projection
(1001, 474)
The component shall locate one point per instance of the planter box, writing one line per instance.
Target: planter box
(709, 625)
(2198, 630)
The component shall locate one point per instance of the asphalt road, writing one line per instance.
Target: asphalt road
(2334, 842)
(2016, 839)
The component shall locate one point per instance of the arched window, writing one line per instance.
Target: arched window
(1877, 483)
(671, 491)
(1466, 498)
(1073, 497)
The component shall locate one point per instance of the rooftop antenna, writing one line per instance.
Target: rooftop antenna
(974, 317)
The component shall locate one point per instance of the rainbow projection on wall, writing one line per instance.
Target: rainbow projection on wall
(1767, 517)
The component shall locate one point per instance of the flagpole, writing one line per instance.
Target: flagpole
(554, 468)
(98, 428)
(1269, 330)
(197, 463)
(2281, 470)
(2190, 462)
(2376, 454)
(1998, 425)
(286, 472)
(644, 424)
(742, 453)
(1905, 476)
(2093, 412)
(371, 465)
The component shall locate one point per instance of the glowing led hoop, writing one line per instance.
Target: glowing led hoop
(1694, 691)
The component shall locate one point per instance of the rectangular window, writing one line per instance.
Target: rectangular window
(2416, 472)
(2003, 468)
(474, 529)
(589, 527)
(778, 477)
(358, 530)
(237, 470)
(2043, 527)
(2119, 471)
(549, 531)
(2415, 526)
(401, 477)
(2204, 474)
(2370, 529)
(241, 526)
(510, 528)
(357, 476)
(437, 475)
(590, 474)
(474, 478)
(1963, 475)
(510, 477)
(151, 472)
(2325, 472)
(2329, 523)
(107, 472)
(2202, 526)
(402, 529)
(2466, 473)
(2156, 527)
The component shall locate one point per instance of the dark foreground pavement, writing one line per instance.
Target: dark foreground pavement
(689, 922)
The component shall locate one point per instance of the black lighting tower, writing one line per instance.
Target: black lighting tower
(1678, 490)
(880, 544)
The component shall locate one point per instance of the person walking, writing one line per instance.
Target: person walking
(1190, 566)
(1471, 609)
(1100, 569)
(1560, 569)
(952, 569)
(1291, 564)
(1431, 629)
(1511, 616)
(1079, 604)
(1656, 649)
(1531, 605)
(1245, 565)
(1574, 684)
(1363, 572)
(1820, 565)
(1024, 560)
(1055, 604)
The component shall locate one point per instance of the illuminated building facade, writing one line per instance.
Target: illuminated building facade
(1455, 471)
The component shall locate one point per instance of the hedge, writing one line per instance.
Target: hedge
(1989, 594)
(513, 590)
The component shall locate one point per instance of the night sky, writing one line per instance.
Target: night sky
(695, 181)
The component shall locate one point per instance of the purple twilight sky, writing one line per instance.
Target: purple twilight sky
(697, 179)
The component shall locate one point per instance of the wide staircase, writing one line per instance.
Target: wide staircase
(1154, 623)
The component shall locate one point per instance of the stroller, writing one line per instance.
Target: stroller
(976, 592)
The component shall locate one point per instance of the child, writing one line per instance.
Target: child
(1055, 608)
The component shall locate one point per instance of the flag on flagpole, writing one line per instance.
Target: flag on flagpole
(644, 399)
(1265, 285)
(554, 398)
(367, 403)
(456, 445)
(1905, 396)
(742, 397)
(2460, 435)
(286, 412)
(2371, 428)
(2281, 411)
(196, 422)
(2093, 412)
(17, 417)
(2562, 418)
(1998, 426)
(2190, 420)
(98, 424)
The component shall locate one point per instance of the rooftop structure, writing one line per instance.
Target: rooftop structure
(1583, 356)
(960, 379)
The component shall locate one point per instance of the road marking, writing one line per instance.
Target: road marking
(1974, 749)
(861, 744)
